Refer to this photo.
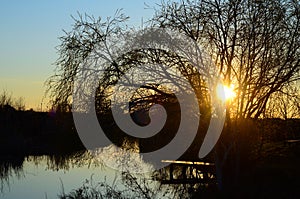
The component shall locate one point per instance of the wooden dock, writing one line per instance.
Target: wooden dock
(189, 172)
(291, 142)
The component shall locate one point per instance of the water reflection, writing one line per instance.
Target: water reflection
(17, 169)
(67, 161)
(10, 166)
(125, 158)
(69, 175)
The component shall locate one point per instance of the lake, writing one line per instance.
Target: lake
(41, 177)
(47, 176)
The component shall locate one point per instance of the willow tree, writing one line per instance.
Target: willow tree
(75, 46)
(100, 38)
(90, 34)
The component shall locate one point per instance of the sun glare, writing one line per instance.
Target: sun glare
(225, 93)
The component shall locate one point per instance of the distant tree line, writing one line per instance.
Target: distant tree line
(6, 100)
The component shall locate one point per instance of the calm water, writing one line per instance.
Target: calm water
(48, 176)
(39, 178)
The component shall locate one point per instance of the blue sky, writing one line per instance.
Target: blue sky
(29, 35)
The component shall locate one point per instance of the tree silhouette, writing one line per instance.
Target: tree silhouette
(255, 44)
(89, 34)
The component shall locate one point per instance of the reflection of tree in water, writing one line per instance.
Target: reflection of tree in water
(128, 185)
(10, 166)
(125, 184)
(67, 161)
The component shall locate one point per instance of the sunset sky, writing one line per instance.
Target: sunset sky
(29, 35)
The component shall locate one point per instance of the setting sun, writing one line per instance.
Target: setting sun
(225, 92)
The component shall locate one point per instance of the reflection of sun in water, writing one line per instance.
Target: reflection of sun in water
(225, 93)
